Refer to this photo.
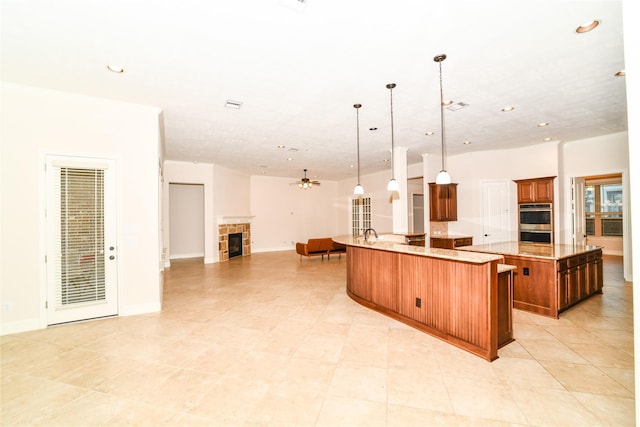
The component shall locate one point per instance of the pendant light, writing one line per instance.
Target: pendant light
(443, 177)
(358, 190)
(393, 184)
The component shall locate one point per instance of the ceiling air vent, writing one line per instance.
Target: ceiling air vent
(233, 104)
(457, 106)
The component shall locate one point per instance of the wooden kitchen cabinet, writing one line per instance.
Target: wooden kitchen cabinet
(535, 190)
(445, 242)
(579, 277)
(443, 202)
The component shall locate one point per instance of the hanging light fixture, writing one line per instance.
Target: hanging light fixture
(443, 177)
(358, 190)
(393, 184)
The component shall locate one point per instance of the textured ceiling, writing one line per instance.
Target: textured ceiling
(298, 68)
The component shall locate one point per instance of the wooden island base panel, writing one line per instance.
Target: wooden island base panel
(445, 293)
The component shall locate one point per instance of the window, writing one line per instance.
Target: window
(360, 215)
(603, 208)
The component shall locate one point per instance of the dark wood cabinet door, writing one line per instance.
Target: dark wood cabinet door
(535, 190)
(544, 190)
(563, 297)
(443, 203)
(526, 193)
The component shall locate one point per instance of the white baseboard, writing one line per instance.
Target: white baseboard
(9, 328)
(132, 310)
(277, 249)
(183, 256)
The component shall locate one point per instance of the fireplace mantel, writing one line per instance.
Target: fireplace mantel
(235, 219)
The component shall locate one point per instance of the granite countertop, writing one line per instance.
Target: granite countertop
(387, 242)
(533, 250)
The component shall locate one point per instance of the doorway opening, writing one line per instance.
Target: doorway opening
(602, 217)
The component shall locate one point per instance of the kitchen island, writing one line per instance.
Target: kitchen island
(452, 295)
(549, 278)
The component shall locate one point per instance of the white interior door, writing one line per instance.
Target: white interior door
(495, 212)
(81, 239)
(577, 207)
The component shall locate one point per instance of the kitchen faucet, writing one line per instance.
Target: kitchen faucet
(366, 234)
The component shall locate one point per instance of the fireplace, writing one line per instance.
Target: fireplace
(235, 245)
(234, 236)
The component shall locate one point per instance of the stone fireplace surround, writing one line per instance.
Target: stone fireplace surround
(233, 224)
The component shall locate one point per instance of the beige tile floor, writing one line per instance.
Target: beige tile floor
(268, 340)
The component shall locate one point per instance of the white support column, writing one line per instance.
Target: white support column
(427, 200)
(400, 202)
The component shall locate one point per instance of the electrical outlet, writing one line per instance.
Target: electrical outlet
(525, 271)
(418, 302)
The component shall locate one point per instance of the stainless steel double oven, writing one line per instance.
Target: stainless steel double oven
(536, 222)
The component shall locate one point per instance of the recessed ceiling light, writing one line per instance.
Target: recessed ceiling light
(543, 124)
(372, 129)
(385, 160)
(352, 166)
(547, 139)
(457, 106)
(233, 104)
(289, 158)
(280, 146)
(445, 103)
(115, 69)
(467, 142)
(621, 73)
(429, 133)
(587, 26)
(507, 109)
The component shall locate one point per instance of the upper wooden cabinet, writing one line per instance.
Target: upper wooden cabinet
(535, 190)
(443, 204)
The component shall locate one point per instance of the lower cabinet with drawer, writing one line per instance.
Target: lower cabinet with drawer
(579, 277)
(450, 242)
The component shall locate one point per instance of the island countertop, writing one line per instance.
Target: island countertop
(532, 250)
(392, 243)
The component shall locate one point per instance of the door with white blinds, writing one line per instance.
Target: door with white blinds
(81, 239)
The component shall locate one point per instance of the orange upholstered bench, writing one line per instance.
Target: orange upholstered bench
(319, 246)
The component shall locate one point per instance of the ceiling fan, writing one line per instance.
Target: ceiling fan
(305, 183)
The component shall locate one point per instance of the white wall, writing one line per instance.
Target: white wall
(594, 156)
(36, 122)
(285, 214)
(231, 192)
